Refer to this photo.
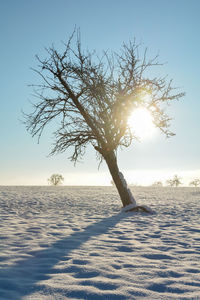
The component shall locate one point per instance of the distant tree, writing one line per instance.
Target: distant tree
(175, 181)
(92, 97)
(157, 183)
(56, 179)
(195, 182)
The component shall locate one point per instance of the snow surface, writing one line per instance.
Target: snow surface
(76, 243)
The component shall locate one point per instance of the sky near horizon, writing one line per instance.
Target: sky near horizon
(170, 28)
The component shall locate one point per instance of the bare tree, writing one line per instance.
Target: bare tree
(175, 181)
(92, 97)
(195, 182)
(56, 179)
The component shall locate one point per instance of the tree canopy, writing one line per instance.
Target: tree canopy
(92, 97)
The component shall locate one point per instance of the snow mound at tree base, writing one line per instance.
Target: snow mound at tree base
(137, 208)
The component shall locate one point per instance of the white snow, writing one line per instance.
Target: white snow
(128, 207)
(76, 243)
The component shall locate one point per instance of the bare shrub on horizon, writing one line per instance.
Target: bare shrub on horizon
(174, 182)
(56, 179)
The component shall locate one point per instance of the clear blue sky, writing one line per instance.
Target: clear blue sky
(168, 27)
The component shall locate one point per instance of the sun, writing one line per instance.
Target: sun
(141, 123)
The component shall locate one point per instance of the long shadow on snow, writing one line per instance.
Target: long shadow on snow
(22, 278)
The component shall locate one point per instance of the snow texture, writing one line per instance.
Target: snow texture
(76, 243)
(128, 207)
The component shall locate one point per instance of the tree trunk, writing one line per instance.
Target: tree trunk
(121, 185)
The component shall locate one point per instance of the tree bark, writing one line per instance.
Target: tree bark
(120, 183)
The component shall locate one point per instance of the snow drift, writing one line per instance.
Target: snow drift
(76, 243)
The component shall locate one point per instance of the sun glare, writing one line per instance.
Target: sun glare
(141, 123)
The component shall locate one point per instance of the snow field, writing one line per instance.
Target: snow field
(76, 243)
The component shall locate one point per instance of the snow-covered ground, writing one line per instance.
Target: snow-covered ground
(75, 243)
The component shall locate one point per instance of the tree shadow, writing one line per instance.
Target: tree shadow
(22, 278)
